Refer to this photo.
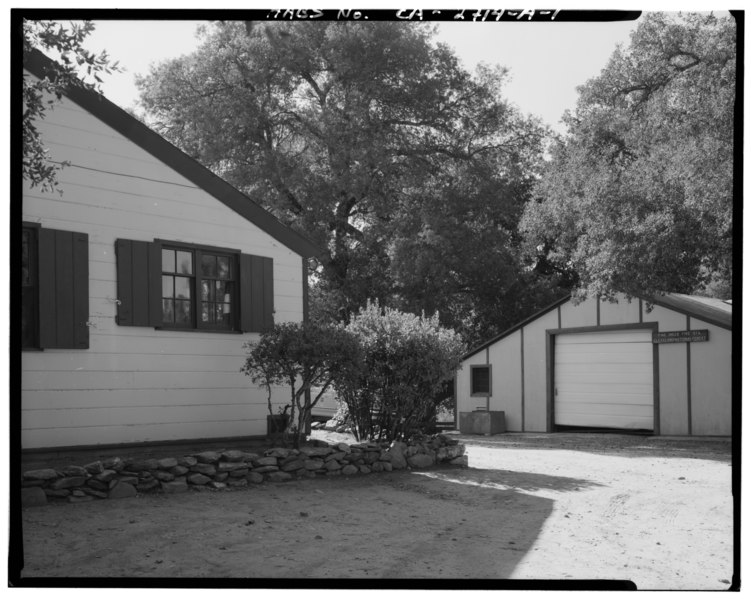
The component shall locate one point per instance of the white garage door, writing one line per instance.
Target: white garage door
(604, 379)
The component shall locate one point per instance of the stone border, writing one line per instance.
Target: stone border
(227, 469)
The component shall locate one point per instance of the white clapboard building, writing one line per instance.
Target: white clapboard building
(662, 366)
(140, 285)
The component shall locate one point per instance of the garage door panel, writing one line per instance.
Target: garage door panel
(604, 379)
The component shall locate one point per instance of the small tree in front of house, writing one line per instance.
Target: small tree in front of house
(405, 361)
(300, 356)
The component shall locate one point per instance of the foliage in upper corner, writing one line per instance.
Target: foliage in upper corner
(300, 356)
(638, 197)
(76, 68)
(406, 360)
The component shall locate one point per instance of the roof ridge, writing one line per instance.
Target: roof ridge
(39, 64)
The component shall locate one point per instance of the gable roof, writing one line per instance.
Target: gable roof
(127, 125)
(712, 310)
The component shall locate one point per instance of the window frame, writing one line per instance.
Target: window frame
(33, 229)
(472, 392)
(197, 251)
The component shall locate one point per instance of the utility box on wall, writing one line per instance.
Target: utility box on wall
(482, 422)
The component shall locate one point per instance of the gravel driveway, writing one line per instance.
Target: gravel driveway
(652, 511)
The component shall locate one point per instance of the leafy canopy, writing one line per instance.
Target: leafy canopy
(77, 67)
(638, 196)
(356, 134)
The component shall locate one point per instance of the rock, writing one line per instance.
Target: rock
(377, 467)
(68, 482)
(106, 475)
(74, 471)
(129, 480)
(336, 456)
(305, 473)
(295, 465)
(266, 469)
(237, 473)
(316, 451)
(78, 499)
(277, 476)
(41, 474)
(148, 486)
(78, 492)
(364, 469)
(98, 485)
(462, 461)
(342, 447)
(175, 487)
(333, 473)
(207, 457)
(186, 461)
(115, 464)
(226, 467)
(396, 454)
(96, 493)
(179, 470)
(350, 470)
(333, 465)
(95, 467)
(122, 490)
(386, 466)
(278, 452)
(254, 477)
(149, 464)
(313, 464)
(265, 462)
(166, 463)
(217, 485)
(238, 483)
(57, 493)
(33, 496)
(164, 476)
(204, 469)
(233, 456)
(420, 461)
(371, 457)
(221, 476)
(198, 479)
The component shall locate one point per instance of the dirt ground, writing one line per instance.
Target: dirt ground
(654, 511)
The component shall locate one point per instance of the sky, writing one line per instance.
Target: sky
(547, 61)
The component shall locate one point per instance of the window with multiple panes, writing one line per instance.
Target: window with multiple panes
(198, 288)
(480, 380)
(172, 285)
(54, 288)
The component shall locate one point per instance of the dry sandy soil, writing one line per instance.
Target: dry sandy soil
(568, 507)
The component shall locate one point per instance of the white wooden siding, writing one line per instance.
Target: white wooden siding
(134, 383)
(604, 379)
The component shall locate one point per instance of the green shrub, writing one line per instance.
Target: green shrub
(301, 356)
(403, 362)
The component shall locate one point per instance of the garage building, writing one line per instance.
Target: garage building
(661, 366)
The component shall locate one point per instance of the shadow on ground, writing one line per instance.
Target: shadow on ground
(445, 524)
(717, 449)
(511, 480)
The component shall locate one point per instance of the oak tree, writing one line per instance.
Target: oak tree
(638, 196)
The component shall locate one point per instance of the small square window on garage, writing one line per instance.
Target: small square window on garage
(480, 380)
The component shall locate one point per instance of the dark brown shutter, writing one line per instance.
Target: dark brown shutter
(256, 293)
(63, 289)
(139, 283)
